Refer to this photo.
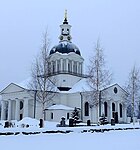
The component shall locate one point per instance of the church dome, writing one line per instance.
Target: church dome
(65, 47)
(52, 51)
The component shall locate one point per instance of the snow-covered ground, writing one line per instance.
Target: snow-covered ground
(112, 140)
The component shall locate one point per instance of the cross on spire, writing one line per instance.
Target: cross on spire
(65, 18)
(65, 14)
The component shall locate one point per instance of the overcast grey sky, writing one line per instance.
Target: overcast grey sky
(115, 22)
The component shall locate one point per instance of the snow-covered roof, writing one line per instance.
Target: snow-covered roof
(80, 86)
(60, 107)
(28, 120)
(25, 83)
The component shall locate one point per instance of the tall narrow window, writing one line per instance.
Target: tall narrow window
(81, 68)
(75, 67)
(105, 109)
(120, 110)
(64, 65)
(21, 105)
(49, 67)
(68, 115)
(113, 110)
(53, 67)
(86, 109)
(113, 106)
(58, 66)
(51, 115)
(70, 66)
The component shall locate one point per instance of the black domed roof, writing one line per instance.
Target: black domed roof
(78, 52)
(65, 47)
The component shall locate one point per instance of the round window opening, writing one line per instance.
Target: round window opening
(21, 105)
(115, 90)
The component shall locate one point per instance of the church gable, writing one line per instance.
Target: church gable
(114, 89)
(115, 92)
(12, 88)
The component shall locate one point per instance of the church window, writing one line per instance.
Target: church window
(113, 110)
(120, 110)
(53, 67)
(75, 67)
(68, 38)
(49, 67)
(64, 65)
(115, 90)
(113, 106)
(58, 66)
(61, 37)
(21, 105)
(68, 115)
(62, 31)
(69, 66)
(105, 109)
(51, 115)
(86, 109)
(81, 68)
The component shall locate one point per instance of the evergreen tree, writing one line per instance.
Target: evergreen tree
(75, 115)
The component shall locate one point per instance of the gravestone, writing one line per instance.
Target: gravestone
(41, 123)
(6, 124)
(113, 122)
(62, 122)
(88, 123)
(71, 122)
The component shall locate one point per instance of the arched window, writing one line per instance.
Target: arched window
(105, 109)
(86, 109)
(21, 105)
(113, 106)
(120, 110)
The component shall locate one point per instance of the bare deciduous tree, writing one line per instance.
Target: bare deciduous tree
(99, 76)
(42, 85)
(133, 89)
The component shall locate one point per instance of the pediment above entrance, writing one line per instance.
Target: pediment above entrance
(12, 87)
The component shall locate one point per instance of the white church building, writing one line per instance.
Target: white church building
(67, 66)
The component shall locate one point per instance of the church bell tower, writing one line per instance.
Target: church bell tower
(65, 60)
